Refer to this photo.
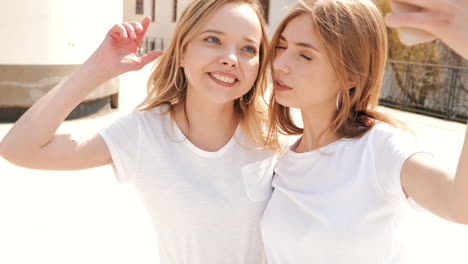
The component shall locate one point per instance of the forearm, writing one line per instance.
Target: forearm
(35, 130)
(37, 127)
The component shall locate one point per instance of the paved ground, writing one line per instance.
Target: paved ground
(86, 217)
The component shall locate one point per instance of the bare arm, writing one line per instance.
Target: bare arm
(435, 189)
(32, 142)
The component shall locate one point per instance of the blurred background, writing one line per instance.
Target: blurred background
(87, 217)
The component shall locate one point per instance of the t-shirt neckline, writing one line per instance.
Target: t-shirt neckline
(201, 152)
(322, 150)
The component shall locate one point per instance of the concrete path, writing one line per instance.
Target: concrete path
(86, 217)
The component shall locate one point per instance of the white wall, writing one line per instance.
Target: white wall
(163, 26)
(54, 31)
(278, 10)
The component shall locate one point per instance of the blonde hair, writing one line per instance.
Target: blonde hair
(355, 39)
(167, 84)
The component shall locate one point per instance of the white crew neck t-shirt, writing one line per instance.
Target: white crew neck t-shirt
(205, 206)
(340, 204)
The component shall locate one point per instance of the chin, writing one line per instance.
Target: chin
(223, 98)
(286, 102)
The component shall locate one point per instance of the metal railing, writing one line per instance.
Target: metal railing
(152, 43)
(433, 90)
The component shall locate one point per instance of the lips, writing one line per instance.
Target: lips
(223, 78)
(280, 85)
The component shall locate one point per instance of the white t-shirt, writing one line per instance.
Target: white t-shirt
(341, 203)
(205, 206)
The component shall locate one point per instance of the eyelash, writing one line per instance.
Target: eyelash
(215, 40)
(254, 50)
(303, 56)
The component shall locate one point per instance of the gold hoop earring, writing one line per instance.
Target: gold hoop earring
(175, 81)
(337, 100)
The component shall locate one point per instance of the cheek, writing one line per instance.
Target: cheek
(306, 78)
(192, 65)
(314, 74)
(251, 70)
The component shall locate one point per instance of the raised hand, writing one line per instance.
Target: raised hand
(117, 53)
(445, 19)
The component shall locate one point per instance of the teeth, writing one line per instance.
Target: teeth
(223, 78)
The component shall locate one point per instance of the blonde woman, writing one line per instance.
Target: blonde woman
(194, 149)
(340, 190)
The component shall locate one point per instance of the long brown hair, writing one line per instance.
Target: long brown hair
(167, 84)
(355, 40)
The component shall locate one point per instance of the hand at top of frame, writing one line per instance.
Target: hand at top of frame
(445, 19)
(117, 53)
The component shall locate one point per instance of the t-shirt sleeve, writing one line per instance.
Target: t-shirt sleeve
(392, 147)
(123, 141)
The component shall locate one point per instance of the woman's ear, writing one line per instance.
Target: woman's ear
(182, 62)
(351, 82)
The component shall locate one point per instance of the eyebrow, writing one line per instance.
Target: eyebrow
(301, 44)
(222, 33)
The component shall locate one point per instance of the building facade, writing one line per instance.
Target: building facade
(165, 14)
(44, 41)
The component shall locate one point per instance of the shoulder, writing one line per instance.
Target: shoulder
(135, 120)
(393, 143)
(385, 137)
(383, 129)
(385, 132)
(158, 113)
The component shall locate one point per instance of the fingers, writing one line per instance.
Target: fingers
(118, 31)
(135, 30)
(137, 26)
(144, 25)
(426, 4)
(130, 30)
(422, 20)
(149, 57)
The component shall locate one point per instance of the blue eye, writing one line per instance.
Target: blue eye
(213, 40)
(280, 47)
(250, 49)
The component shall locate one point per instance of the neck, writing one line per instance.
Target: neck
(207, 125)
(316, 129)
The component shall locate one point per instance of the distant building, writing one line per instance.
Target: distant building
(44, 41)
(165, 14)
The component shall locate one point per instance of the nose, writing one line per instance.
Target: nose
(280, 63)
(229, 59)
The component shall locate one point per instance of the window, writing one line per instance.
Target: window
(266, 9)
(174, 11)
(139, 7)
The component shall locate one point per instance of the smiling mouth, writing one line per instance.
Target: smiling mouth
(222, 78)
